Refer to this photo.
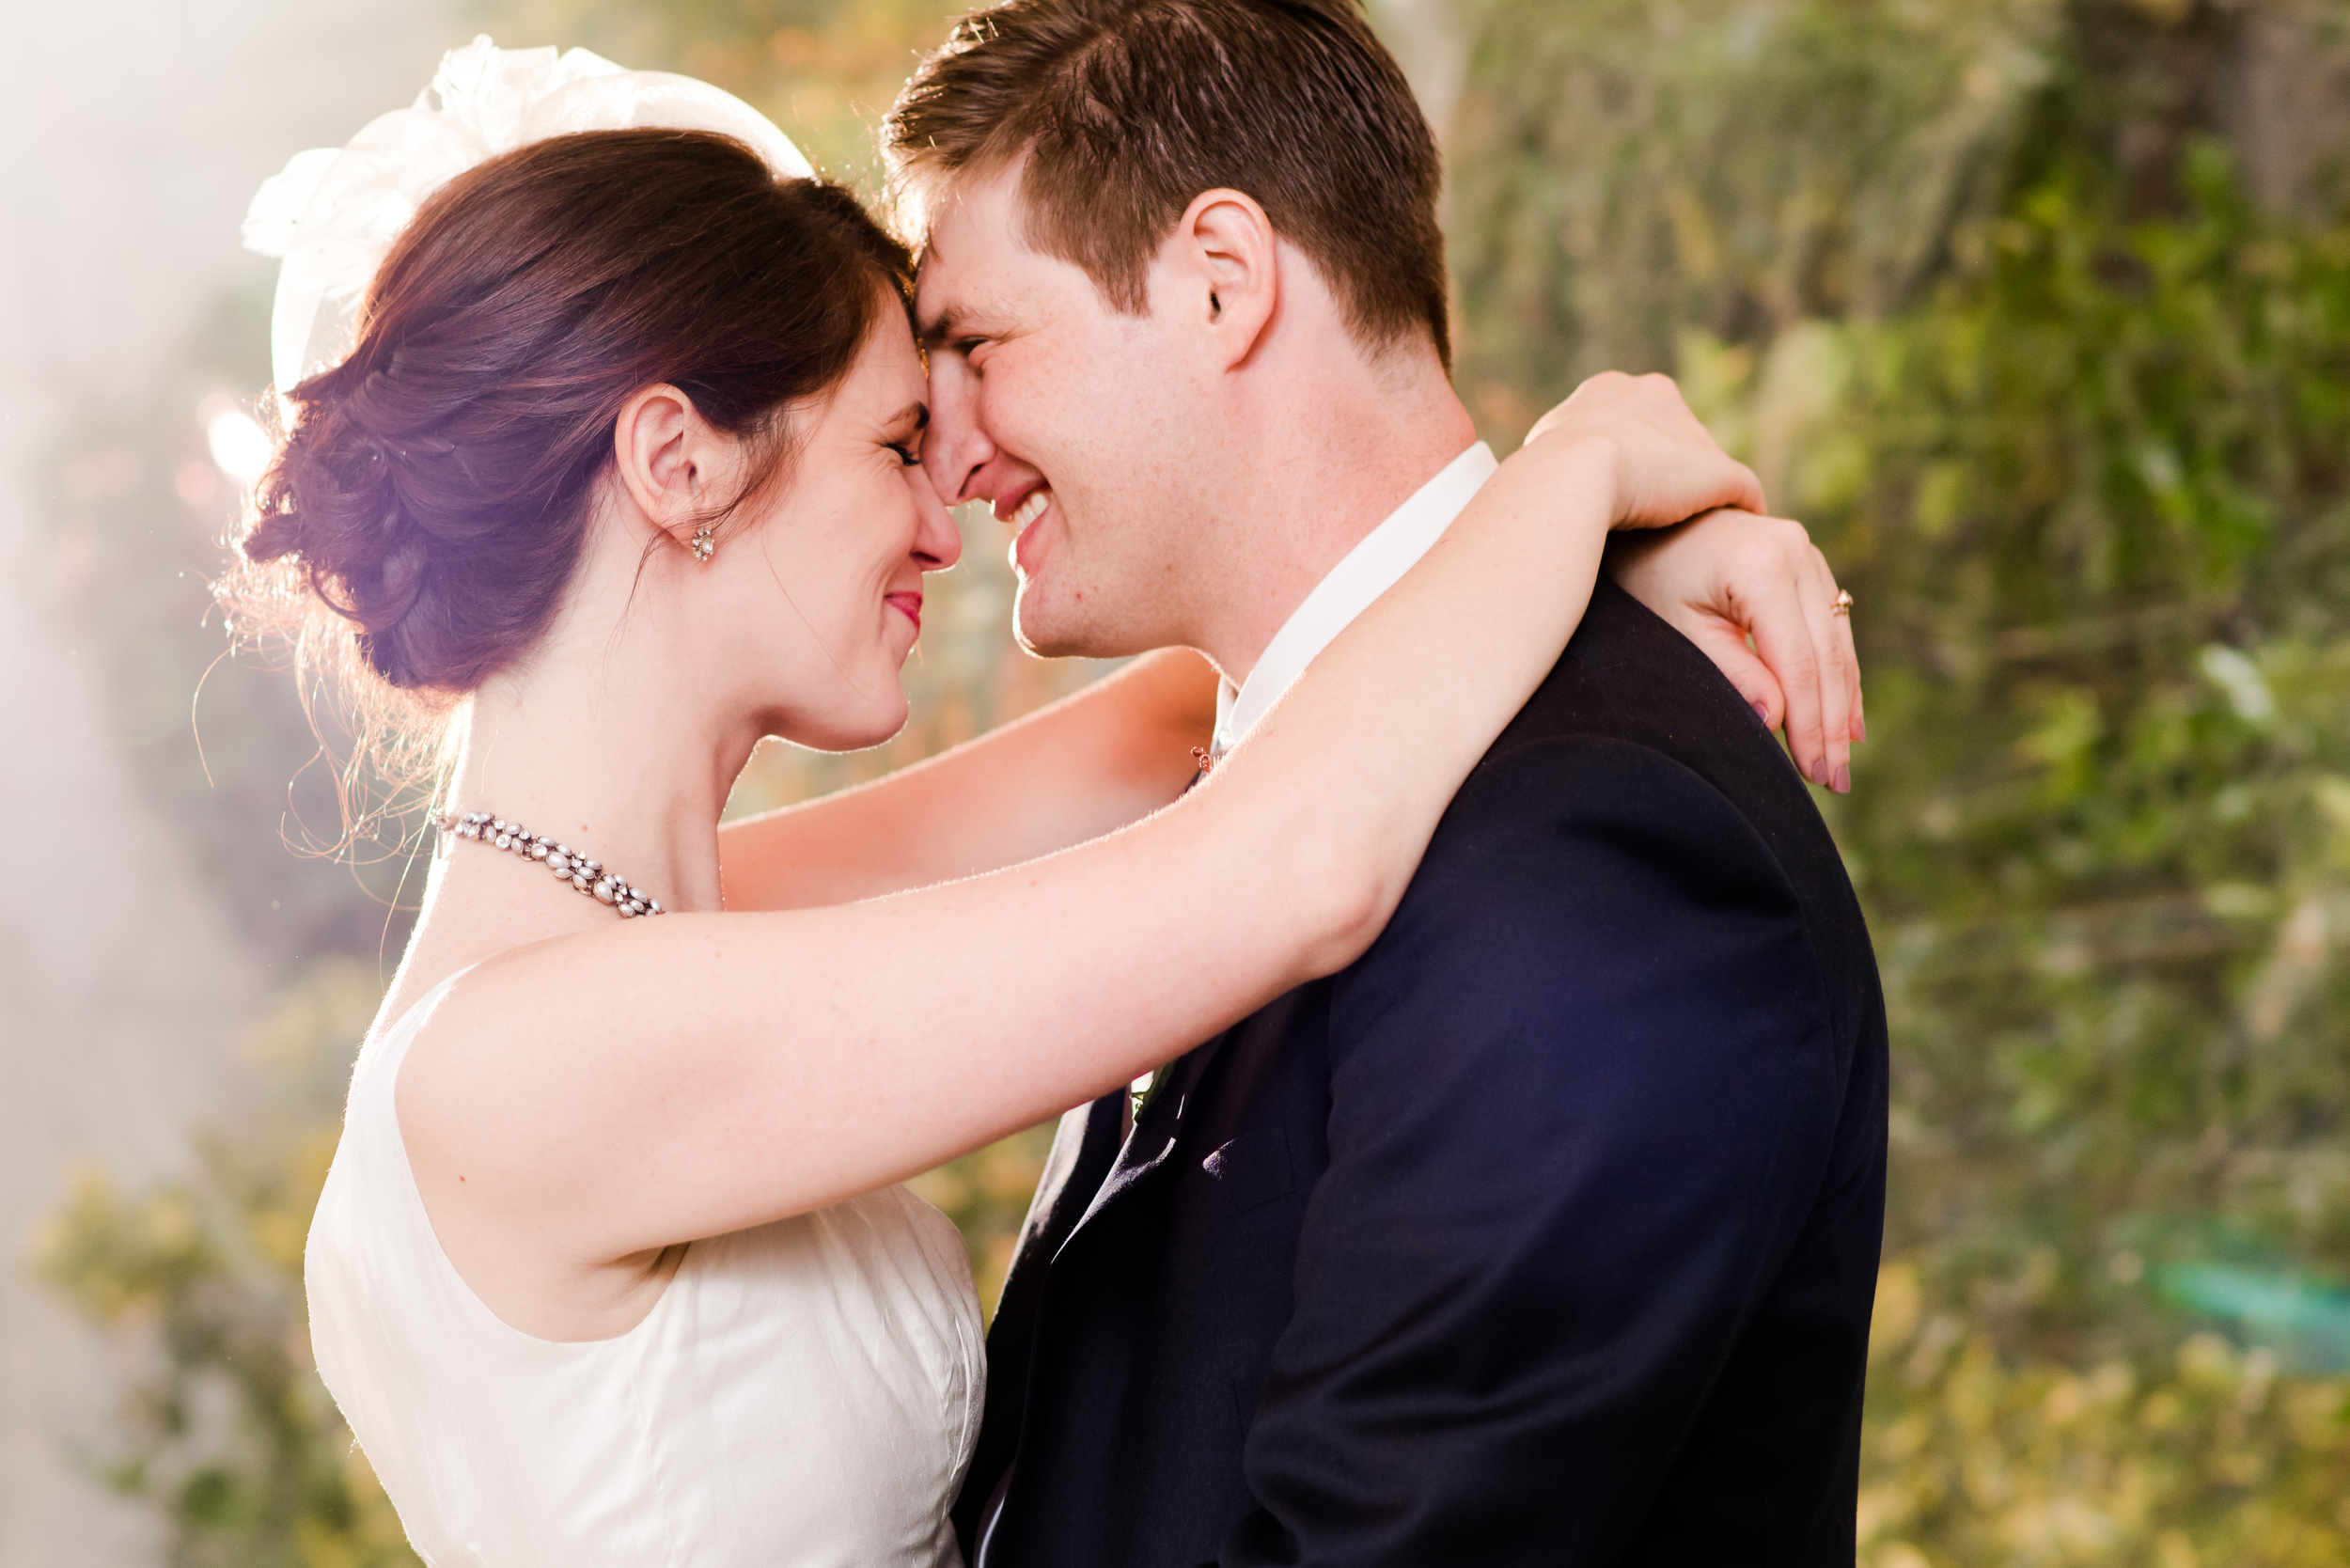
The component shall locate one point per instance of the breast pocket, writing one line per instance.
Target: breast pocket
(1251, 1170)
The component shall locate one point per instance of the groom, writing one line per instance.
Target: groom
(1546, 1233)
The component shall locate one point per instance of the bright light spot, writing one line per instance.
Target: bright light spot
(241, 447)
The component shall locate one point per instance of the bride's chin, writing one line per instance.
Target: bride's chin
(848, 731)
(889, 730)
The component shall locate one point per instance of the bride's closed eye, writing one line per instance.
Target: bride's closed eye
(913, 421)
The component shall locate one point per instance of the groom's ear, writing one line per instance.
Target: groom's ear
(1222, 260)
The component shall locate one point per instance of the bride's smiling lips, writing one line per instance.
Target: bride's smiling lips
(908, 604)
(1025, 515)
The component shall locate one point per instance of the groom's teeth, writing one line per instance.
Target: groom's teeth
(1032, 509)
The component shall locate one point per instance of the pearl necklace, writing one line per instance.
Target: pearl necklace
(584, 875)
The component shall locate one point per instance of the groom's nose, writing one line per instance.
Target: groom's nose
(956, 449)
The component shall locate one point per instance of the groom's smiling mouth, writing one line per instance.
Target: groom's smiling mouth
(1025, 517)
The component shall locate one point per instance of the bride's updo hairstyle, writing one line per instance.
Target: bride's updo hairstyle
(434, 489)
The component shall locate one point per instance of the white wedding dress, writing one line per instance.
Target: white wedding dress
(804, 1395)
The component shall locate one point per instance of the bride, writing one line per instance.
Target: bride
(612, 468)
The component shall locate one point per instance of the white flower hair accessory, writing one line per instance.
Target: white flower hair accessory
(333, 212)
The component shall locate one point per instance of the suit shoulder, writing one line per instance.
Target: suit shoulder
(1582, 876)
(1600, 800)
(1582, 853)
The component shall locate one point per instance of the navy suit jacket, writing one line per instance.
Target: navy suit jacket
(1547, 1232)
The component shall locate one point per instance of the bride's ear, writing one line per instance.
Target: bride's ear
(1223, 259)
(664, 448)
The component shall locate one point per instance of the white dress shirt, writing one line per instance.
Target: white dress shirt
(1367, 571)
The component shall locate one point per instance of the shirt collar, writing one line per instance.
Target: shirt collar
(1367, 571)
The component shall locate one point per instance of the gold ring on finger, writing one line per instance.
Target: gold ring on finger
(1841, 604)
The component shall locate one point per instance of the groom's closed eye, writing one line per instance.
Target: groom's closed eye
(949, 335)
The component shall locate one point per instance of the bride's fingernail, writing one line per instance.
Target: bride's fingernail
(1762, 712)
(1843, 778)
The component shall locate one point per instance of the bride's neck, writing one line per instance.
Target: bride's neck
(612, 738)
(600, 743)
(619, 786)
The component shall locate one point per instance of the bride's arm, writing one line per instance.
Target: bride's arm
(1119, 749)
(1091, 762)
(577, 1102)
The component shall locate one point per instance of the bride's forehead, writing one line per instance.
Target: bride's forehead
(887, 369)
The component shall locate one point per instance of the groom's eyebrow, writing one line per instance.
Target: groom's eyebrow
(945, 326)
(961, 319)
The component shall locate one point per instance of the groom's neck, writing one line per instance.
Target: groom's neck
(1325, 459)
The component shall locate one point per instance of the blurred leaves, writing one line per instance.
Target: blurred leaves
(1981, 293)
(227, 1430)
(824, 70)
(2204, 1456)
(1621, 169)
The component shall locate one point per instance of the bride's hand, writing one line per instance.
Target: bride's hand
(1728, 575)
(1668, 467)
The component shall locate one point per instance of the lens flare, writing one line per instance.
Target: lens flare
(241, 447)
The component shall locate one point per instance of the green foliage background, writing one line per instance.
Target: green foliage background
(1985, 293)
(2039, 315)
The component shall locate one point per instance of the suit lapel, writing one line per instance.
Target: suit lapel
(1088, 1168)
(1083, 1150)
(1090, 1172)
(1157, 1129)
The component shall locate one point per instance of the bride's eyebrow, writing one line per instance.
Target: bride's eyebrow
(916, 415)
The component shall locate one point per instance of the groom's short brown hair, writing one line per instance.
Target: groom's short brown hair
(1124, 110)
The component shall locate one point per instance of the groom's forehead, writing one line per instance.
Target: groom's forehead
(939, 288)
(962, 284)
(949, 302)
